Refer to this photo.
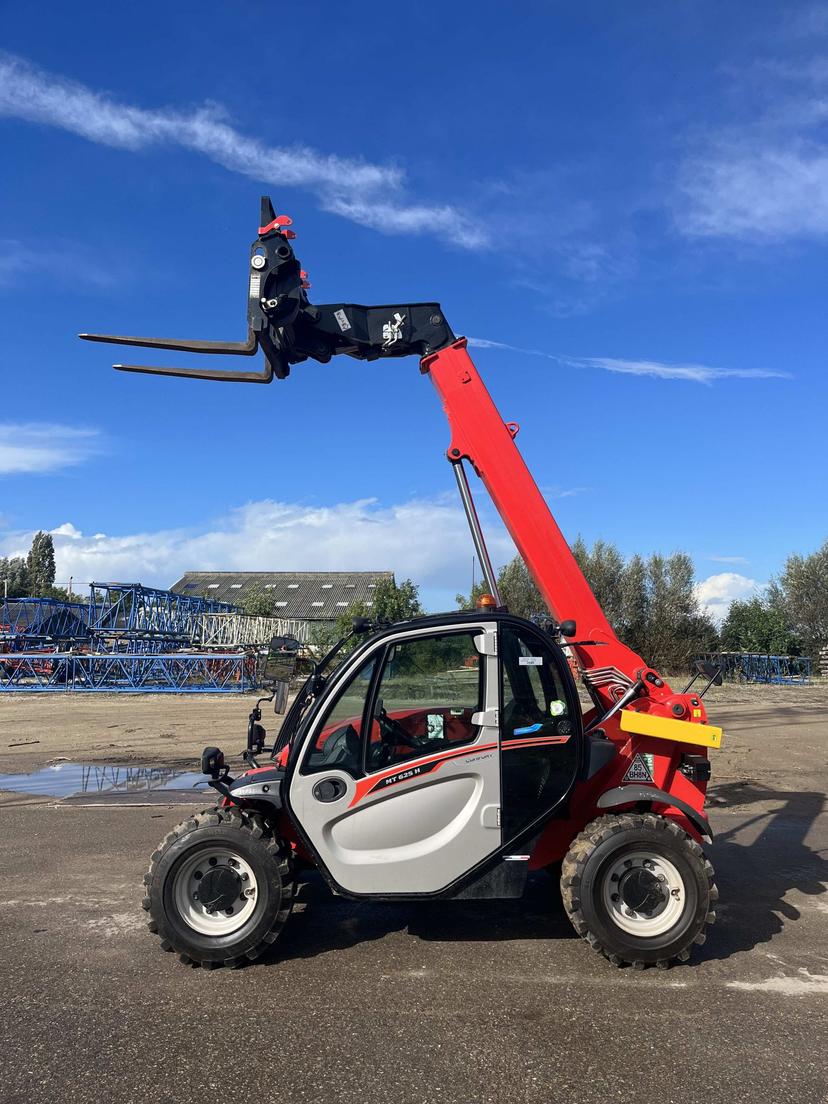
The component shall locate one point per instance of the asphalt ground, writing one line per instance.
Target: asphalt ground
(465, 1001)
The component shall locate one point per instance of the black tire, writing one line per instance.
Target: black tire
(586, 871)
(244, 834)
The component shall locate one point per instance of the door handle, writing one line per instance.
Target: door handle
(329, 789)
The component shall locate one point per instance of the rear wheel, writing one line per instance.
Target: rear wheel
(219, 888)
(638, 889)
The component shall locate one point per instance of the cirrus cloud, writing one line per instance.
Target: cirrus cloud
(39, 447)
(372, 195)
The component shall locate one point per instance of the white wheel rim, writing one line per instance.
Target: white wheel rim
(660, 914)
(187, 898)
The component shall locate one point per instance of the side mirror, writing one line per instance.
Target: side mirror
(281, 690)
(280, 663)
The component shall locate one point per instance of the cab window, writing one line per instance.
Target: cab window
(338, 744)
(428, 691)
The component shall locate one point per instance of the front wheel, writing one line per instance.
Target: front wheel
(219, 888)
(638, 889)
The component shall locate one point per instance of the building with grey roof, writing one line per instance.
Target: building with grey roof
(298, 596)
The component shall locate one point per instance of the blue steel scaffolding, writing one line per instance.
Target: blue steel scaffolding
(127, 638)
(139, 673)
(757, 667)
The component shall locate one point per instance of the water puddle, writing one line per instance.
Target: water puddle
(69, 780)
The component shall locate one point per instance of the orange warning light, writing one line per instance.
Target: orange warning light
(486, 601)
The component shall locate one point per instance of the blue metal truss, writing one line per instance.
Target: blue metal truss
(138, 673)
(127, 638)
(756, 667)
(26, 620)
(125, 609)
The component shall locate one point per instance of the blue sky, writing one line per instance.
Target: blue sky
(626, 205)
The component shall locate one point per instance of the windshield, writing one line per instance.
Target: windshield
(311, 688)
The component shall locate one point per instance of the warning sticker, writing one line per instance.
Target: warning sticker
(640, 769)
(530, 661)
(342, 320)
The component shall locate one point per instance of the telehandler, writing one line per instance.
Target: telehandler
(447, 756)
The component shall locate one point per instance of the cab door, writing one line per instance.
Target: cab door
(540, 729)
(397, 784)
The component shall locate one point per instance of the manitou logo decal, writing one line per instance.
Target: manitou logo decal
(392, 330)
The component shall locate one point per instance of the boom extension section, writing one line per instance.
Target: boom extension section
(288, 328)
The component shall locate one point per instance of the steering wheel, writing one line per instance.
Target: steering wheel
(341, 749)
(393, 733)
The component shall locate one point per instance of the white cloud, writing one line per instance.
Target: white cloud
(716, 592)
(763, 176)
(728, 559)
(372, 195)
(69, 264)
(36, 447)
(427, 540)
(694, 373)
(744, 189)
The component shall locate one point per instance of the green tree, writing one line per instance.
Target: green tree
(258, 604)
(391, 602)
(466, 602)
(758, 625)
(635, 604)
(61, 594)
(14, 577)
(40, 564)
(651, 604)
(603, 566)
(517, 589)
(801, 592)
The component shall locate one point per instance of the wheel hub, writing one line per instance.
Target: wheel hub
(215, 890)
(641, 890)
(643, 893)
(219, 889)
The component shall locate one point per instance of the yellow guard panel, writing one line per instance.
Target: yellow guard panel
(665, 728)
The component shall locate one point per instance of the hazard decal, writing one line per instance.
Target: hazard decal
(640, 769)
